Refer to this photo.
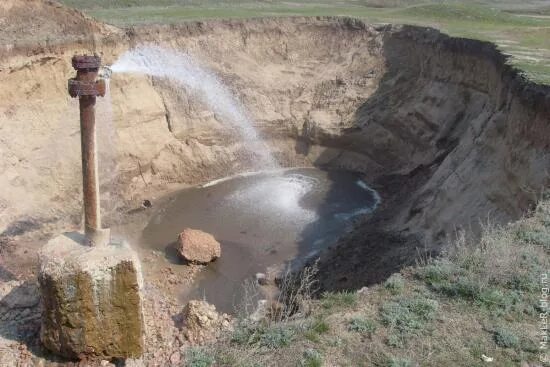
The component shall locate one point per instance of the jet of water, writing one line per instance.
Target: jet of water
(181, 68)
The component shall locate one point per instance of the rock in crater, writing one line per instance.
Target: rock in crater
(197, 246)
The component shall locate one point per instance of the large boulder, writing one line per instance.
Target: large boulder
(198, 246)
(91, 299)
(203, 323)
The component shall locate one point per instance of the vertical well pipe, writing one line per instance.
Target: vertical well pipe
(86, 88)
(90, 180)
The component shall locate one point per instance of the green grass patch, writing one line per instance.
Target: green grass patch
(505, 338)
(362, 326)
(271, 337)
(315, 329)
(312, 358)
(395, 283)
(276, 337)
(407, 316)
(536, 237)
(344, 299)
(198, 357)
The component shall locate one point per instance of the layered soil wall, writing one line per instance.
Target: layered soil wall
(445, 130)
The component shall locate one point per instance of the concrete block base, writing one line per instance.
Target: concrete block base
(91, 299)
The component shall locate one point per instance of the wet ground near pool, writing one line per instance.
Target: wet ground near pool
(261, 220)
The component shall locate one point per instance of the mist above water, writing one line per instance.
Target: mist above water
(182, 69)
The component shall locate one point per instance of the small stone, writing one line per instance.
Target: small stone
(198, 246)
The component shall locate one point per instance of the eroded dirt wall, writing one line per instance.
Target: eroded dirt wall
(476, 136)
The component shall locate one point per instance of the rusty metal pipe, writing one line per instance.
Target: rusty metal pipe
(86, 88)
(92, 215)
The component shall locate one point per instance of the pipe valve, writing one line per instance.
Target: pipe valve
(85, 83)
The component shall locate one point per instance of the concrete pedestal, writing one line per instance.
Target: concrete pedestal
(91, 299)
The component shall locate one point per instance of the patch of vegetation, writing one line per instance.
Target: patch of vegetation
(343, 299)
(312, 358)
(362, 326)
(500, 275)
(505, 338)
(408, 315)
(395, 283)
(437, 272)
(276, 337)
(315, 329)
(271, 337)
(535, 237)
(475, 286)
(198, 357)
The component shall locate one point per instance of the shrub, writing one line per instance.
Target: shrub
(528, 345)
(295, 290)
(534, 237)
(362, 326)
(338, 299)
(245, 334)
(396, 340)
(523, 282)
(463, 287)
(438, 272)
(197, 357)
(315, 329)
(505, 338)
(395, 283)
(276, 337)
(272, 337)
(408, 315)
(490, 297)
(312, 358)
(320, 327)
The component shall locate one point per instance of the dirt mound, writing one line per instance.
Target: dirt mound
(33, 24)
